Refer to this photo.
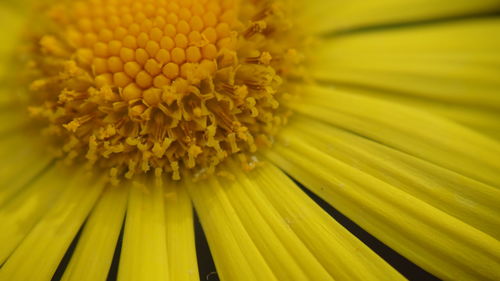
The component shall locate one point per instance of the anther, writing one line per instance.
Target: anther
(162, 86)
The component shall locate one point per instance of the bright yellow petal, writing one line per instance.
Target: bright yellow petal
(158, 241)
(94, 252)
(297, 240)
(235, 254)
(181, 248)
(38, 255)
(144, 248)
(456, 62)
(470, 201)
(434, 240)
(407, 129)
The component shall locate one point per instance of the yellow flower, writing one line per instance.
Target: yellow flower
(121, 116)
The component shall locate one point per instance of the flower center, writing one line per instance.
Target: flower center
(162, 85)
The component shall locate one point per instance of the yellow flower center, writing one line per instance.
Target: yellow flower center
(162, 85)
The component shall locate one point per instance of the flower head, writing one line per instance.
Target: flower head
(120, 116)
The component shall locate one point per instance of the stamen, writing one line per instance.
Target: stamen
(159, 86)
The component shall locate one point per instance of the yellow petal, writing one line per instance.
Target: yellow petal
(159, 236)
(418, 133)
(21, 213)
(11, 19)
(481, 119)
(470, 201)
(38, 255)
(434, 240)
(144, 248)
(456, 62)
(94, 252)
(235, 254)
(339, 15)
(12, 121)
(181, 249)
(23, 162)
(297, 240)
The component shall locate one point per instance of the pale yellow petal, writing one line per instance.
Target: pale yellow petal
(144, 248)
(39, 254)
(456, 62)
(481, 119)
(12, 121)
(94, 252)
(324, 16)
(11, 20)
(23, 162)
(407, 129)
(434, 240)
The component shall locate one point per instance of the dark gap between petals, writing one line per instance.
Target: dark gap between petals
(206, 266)
(113, 269)
(67, 256)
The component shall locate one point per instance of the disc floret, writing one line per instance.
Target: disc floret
(162, 86)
